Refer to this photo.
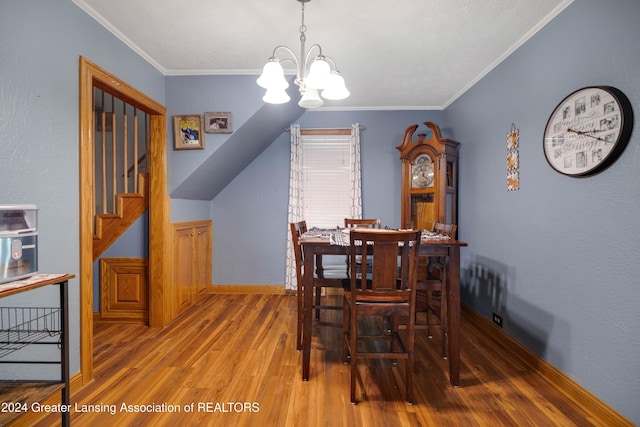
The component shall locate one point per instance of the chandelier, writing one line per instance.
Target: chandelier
(316, 76)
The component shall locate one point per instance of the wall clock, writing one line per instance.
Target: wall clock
(588, 131)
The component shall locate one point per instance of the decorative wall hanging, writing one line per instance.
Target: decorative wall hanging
(188, 133)
(588, 131)
(217, 122)
(513, 159)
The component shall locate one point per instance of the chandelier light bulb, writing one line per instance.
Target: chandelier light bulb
(272, 76)
(319, 74)
(336, 89)
(276, 96)
(310, 98)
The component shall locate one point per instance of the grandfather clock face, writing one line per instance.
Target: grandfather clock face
(422, 172)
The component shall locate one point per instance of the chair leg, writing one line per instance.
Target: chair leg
(345, 331)
(443, 316)
(299, 330)
(409, 378)
(318, 292)
(394, 335)
(354, 352)
(410, 360)
(429, 314)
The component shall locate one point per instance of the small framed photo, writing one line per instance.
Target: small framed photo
(217, 122)
(188, 133)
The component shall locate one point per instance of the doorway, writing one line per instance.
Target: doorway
(91, 76)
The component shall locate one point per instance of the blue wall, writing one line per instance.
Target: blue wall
(559, 258)
(254, 205)
(197, 95)
(40, 43)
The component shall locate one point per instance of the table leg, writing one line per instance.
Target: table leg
(453, 315)
(64, 363)
(307, 294)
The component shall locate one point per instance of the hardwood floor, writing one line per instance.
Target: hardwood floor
(231, 361)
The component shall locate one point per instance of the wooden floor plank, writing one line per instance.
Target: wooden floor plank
(231, 361)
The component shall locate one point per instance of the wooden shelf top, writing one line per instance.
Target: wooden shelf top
(33, 282)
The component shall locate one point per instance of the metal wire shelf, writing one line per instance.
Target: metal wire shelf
(22, 326)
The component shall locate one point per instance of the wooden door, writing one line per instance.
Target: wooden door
(184, 286)
(202, 258)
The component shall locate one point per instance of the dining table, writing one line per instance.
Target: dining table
(336, 242)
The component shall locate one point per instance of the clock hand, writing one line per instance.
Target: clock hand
(588, 133)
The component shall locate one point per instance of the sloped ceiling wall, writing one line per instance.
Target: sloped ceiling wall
(237, 152)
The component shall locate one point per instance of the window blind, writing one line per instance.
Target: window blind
(327, 180)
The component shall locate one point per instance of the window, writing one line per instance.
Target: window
(324, 185)
(326, 167)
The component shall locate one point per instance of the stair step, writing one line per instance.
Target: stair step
(109, 227)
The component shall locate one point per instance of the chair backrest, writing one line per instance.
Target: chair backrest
(297, 230)
(391, 257)
(445, 229)
(362, 223)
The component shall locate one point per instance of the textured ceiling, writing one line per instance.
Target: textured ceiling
(393, 54)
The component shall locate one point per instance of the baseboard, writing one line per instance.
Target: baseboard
(97, 317)
(247, 289)
(599, 409)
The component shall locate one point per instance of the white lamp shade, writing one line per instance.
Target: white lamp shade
(272, 76)
(276, 96)
(310, 99)
(336, 88)
(319, 74)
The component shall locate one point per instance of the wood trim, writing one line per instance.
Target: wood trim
(160, 236)
(248, 289)
(86, 139)
(192, 224)
(334, 131)
(90, 76)
(599, 409)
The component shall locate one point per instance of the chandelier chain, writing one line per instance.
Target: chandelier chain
(303, 27)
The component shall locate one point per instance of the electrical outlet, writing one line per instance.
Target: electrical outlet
(497, 319)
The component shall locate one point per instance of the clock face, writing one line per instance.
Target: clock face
(588, 131)
(422, 173)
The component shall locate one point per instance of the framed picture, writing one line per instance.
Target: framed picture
(217, 122)
(188, 133)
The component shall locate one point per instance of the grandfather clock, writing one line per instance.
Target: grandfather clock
(429, 179)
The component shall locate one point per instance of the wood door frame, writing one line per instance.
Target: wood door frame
(160, 273)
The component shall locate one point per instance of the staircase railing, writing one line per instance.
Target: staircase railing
(122, 140)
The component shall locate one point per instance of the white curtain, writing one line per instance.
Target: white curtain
(296, 192)
(295, 211)
(356, 174)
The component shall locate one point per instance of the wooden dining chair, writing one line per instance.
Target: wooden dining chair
(362, 223)
(389, 291)
(323, 278)
(432, 289)
(350, 223)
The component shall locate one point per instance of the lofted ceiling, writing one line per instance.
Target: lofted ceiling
(393, 54)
